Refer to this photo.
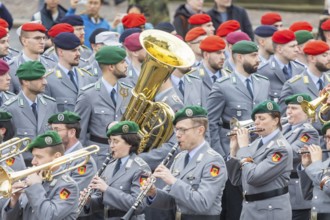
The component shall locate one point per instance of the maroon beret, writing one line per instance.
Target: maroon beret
(283, 36)
(199, 19)
(212, 43)
(237, 36)
(315, 47)
(132, 42)
(4, 67)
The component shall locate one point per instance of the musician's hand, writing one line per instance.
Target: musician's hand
(243, 137)
(305, 158)
(99, 183)
(233, 144)
(152, 191)
(83, 194)
(165, 174)
(34, 178)
(315, 152)
(18, 186)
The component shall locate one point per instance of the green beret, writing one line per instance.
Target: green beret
(265, 107)
(110, 55)
(123, 127)
(64, 118)
(5, 116)
(30, 70)
(325, 127)
(244, 47)
(297, 99)
(48, 139)
(194, 111)
(303, 36)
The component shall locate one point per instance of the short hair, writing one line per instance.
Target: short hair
(202, 122)
(57, 148)
(133, 140)
(75, 126)
(10, 129)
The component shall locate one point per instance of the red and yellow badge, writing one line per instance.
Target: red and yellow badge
(143, 180)
(215, 170)
(65, 194)
(82, 170)
(276, 157)
(10, 161)
(304, 138)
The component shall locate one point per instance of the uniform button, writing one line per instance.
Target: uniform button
(65, 101)
(121, 187)
(254, 103)
(102, 111)
(116, 116)
(297, 181)
(25, 132)
(314, 208)
(270, 207)
(315, 197)
(246, 202)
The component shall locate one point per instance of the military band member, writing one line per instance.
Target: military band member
(263, 36)
(282, 66)
(213, 58)
(5, 78)
(32, 38)
(105, 101)
(120, 183)
(66, 78)
(262, 167)
(197, 177)
(298, 132)
(56, 199)
(30, 108)
(314, 176)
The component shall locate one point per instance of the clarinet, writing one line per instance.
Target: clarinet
(144, 192)
(106, 162)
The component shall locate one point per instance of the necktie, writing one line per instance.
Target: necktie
(34, 110)
(287, 73)
(181, 87)
(113, 96)
(260, 144)
(0, 101)
(320, 82)
(249, 88)
(117, 167)
(71, 75)
(186, 160)
(214, 77)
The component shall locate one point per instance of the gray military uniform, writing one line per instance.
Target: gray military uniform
(93, 67)
(199, 186)
(303, 134)
(124, 186)
(15, 86)
(5, 95)
(230, 98)
(53, 200)
(97, 110)
(276, 76)
(61, 88)
(270, 170)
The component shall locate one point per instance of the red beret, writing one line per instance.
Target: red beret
(227, 27)
(199, 19)
(33, 27)
(301, 25)
(4, 67)
(3, 23)
(326, 25)
(133, 20)
(315, 47)
(283, 36)
(132, 42)
(194, 33)
(60, 28)
(237, 36)
(212, 43)
(3, 32)
(270, 18)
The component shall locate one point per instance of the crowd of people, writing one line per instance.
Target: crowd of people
(252, 138)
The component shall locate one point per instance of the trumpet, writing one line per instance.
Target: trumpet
(84, 200)
(251, 131)
(310, 108)
(301, 152)
(13, 146)
(7, 178)
(144, 192)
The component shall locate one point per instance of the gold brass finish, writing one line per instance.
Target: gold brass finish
(11, 148)
(310, 108)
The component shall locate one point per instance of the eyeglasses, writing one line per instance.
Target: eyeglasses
(57, 129)
(182, 131)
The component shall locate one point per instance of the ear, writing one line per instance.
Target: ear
(3, 131)
(72, 132)
(57, 155)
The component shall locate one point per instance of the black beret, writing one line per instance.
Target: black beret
(66, 41)
(74, 20)
(128, 32)
(265, 30)
(165, 26)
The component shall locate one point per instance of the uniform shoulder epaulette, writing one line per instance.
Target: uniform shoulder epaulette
(140, 162)
(126, 85)
(85, 47)
(86, 71)
(10, 93)
(10, 101)
(193, 76)
(295, 78)
(47, 58)
(48, 97)
(222, 79)
(50, 72)
(228, 70)
(49, 51)
(212, 152)
(67, 178)
(88, 86)
(263, 65)
(10, 62)
(308, 125)
(280, 143)
(261, 76)
(298, 63)
(177, 156)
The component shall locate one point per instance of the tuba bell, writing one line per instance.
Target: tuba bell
(164, 53)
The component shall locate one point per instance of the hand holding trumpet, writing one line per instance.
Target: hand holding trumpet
(239, 140)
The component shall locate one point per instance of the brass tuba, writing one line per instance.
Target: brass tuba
(165, 52)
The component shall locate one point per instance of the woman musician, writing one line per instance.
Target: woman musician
(262, 167)
(117, 188)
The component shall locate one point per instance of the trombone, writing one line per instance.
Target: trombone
(7, 178)
(13, 147)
